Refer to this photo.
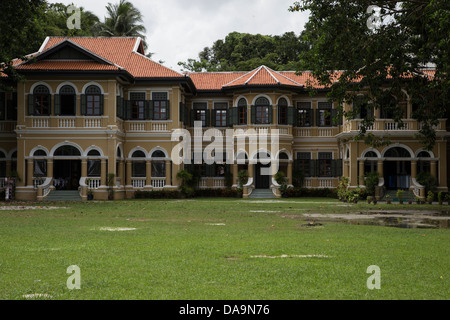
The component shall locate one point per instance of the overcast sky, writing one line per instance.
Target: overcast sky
(180, 29)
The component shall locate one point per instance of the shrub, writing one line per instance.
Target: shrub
(430, 196)
(427, 180)
(342, 188)
(400, 195)
(242, 178)
(372, 180)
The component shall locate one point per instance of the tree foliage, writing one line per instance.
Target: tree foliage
(245, 52)
(381, 57)
(123, 20)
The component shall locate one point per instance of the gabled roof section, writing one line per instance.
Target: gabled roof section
(263, 76)
(119, 53)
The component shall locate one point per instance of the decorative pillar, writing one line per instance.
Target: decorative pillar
(103, 172)
(30, 172)
(84, 172)
(129, 172)
(251, 167)
(346, 171)
(289, 173)
(361, 172)
(413, 169)
(121, 172)
(148, 173)
(235, 174)
(380, 165)
(50, 168)
(433, 169)
(168, 172)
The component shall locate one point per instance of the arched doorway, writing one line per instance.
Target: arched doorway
(66, 168)
(397, 168)
(262, 167)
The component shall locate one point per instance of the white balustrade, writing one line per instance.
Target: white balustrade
(136, 127)
(92, 122)
(40, 123)
(325, 132)
(93, 183)
(138, 183)
(158, 183)
(390, 126)
(159, 127)
(66, 123)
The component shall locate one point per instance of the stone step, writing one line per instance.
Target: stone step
(63, 195)
(262, 194)
(407, 195)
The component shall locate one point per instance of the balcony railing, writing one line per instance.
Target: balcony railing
(389, 125)
(147, 126)
(66, 122)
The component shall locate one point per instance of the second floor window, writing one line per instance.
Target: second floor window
(324, 118)
(160, 106)
(304, 114)
(261, 111)
(220, 114)
(40, 101)
(94, 101)
(242, 111)
(282, 111)
(303, 163)
(137, 105)
(65, 102)
(200, 113)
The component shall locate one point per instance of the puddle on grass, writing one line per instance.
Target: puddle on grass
(392, 218)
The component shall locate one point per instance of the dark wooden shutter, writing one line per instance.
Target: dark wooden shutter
(102, 104)
(127, 111)
(57, 98)
(168, 110)
(253, 114)
(213, 117)
(83, 104)
(292, 116)
(208, 118)
(312, 168)
(270, 110)
(192, 117)
(317, 117)
(181, 112)
(30, 105)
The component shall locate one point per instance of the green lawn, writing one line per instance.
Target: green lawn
(205, 248)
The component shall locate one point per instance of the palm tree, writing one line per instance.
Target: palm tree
(123, 20)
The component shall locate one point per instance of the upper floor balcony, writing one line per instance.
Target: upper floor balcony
(389, 125)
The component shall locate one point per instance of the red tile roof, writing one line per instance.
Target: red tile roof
(122, 52)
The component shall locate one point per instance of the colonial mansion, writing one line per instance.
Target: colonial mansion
(94, 109)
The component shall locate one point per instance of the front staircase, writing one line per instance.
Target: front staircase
(63, 195)
(262, 194)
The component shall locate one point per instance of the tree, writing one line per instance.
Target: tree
(245, 52)
(381, 54)
(123, 20)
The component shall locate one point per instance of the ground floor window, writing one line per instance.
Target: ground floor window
(139, 169)
(325, 160)
(158, 169)
(94, 168)
(40, 168)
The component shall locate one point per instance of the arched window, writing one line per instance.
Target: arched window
(158, 167)
(283, 156)
(39, 164)
(39, 102)
(282, 111)
(158, 154)
(94, 164)
(262, 111)
(39, 153)
(138, 154)
(371, 154)
(94, 153)
(242, 111)
(423, 154)
(65, 101)
(138, 166)
(92, 101)
(67, 151)
(397, 152)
